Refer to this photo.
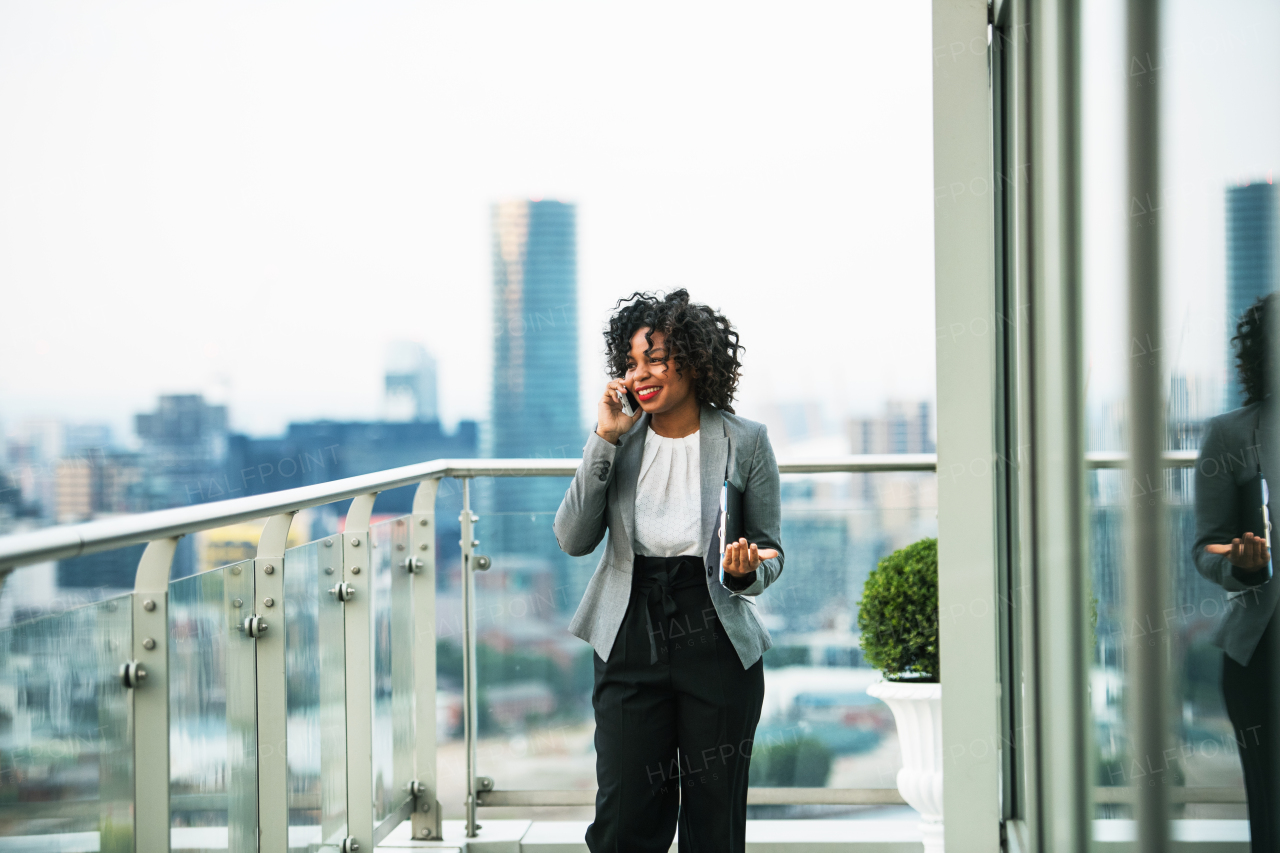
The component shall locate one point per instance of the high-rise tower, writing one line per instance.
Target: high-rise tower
(535, 330)
(1252, 237)
(535, 367)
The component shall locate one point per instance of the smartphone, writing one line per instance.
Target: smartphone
(630, 405)
(1266, 526)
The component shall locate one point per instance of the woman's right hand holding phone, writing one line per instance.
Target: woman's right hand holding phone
(610, 420)
(1249, 553)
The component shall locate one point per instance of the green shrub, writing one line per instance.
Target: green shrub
(898, 614)
(800, 763)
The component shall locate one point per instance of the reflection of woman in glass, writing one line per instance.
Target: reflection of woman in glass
(679, 679)
(1236, 460)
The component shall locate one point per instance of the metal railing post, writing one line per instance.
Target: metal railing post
(266, 625)
(357, 573)
(421, 563)
(150, 696)
(470, 717)
(1147, 670)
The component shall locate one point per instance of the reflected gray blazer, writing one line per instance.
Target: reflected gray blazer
(602, 498)
(1230, 453)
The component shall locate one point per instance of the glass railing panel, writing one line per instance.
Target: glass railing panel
(818, 726)
(66, 752)
(391, 618)
(314, 671)
(536, 727)
(213, 775)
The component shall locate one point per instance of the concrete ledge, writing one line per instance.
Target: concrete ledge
(763, 836)
(807, 836)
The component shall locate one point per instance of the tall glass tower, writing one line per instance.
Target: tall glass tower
(1252, 236)
(535, 369)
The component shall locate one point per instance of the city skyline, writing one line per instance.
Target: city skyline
(313, 244)
(670, 193)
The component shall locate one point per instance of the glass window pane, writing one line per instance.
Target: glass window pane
(1216, 215)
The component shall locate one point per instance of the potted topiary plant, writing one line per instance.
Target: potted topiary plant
(898, 617)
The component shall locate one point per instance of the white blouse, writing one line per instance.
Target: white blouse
(669, 497)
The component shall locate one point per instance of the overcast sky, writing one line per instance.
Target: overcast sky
(251, 200)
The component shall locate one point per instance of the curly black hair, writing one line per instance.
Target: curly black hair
(697, 338)
(1253, 349)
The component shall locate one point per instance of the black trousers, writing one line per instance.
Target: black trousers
(1250, 694)
(676, 713)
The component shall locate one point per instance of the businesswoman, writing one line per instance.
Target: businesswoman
(678, 675)
(1237, 452)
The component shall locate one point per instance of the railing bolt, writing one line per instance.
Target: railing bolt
(235, 570)
(131, 674)
(269, 602)
(148, 605)
(355, 543)
(475, 543)
(148, 644)
(475, 519)
(269, 569)
(355, 570)
(328, 570)
(424, 522)
(237, 603)
(422, 547)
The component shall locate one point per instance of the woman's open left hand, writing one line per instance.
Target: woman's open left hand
(741, 558)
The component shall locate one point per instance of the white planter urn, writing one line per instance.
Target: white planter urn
(917, 709)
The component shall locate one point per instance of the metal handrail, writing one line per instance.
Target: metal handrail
(71, 540)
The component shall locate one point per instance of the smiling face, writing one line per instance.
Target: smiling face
(653, 377)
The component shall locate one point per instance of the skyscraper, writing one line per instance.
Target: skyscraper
(1252, 224)
(535, 364)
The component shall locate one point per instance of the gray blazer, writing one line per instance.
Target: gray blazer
(1234, 443)
(602, 498)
